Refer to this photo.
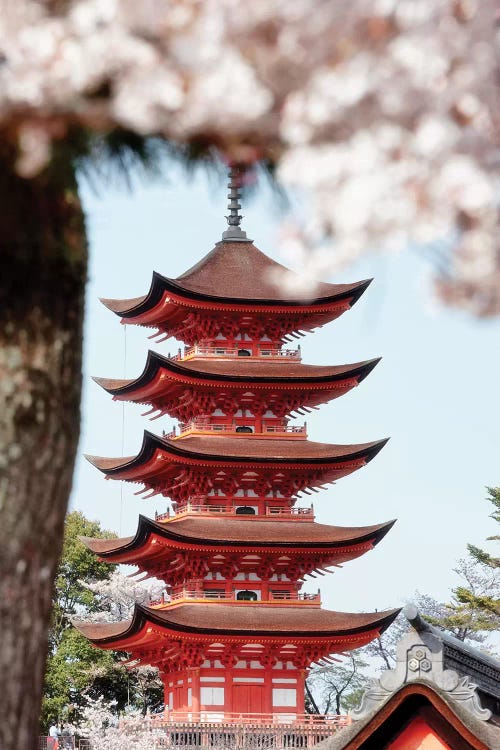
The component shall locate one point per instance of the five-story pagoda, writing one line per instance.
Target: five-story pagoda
(235, 635)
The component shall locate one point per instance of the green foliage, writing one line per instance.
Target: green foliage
(75, 668)
(77, 564)
(481, 595)
(72, 661)
(477, 553)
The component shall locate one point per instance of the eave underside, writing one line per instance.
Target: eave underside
(197, 465)
(306, 634)
(236, 533)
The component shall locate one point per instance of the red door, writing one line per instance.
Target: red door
(248, 699)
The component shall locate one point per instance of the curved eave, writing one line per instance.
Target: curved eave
(107, 634)
(109, 549)
(151, 443)
(156, 362)
(133, 308)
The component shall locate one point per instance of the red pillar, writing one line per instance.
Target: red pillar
(301, 679)
(267, 708)
(195, 686)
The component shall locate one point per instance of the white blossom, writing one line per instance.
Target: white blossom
(118, 595)
(104, 731)
(382, 114)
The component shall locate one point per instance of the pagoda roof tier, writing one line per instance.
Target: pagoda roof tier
(194, 464)
(156, 541)
(235, 273)
(163, 377)
(220, 450)
(267, 622)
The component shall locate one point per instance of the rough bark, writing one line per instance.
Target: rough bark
(42, 279)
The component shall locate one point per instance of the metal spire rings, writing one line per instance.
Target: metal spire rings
(234, 232)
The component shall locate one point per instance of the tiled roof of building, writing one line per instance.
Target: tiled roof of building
(242, 620)
(235, 272)
(234, 531)
(239, 369)
(238, 450)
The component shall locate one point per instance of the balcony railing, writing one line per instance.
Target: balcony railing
(229, 351)
(178, 730)
(275, 720)
(202, 425)
(302, 513)
(207, 595)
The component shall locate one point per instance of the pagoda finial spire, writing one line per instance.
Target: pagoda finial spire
(234, 233)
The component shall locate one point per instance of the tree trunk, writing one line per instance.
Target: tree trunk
(42, 280)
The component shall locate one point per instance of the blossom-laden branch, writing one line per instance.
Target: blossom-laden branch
(384, 114)
(118, 595)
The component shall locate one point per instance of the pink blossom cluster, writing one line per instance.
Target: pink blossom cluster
(383, 115)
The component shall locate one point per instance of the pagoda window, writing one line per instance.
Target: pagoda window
(244, 353)
(245, 510)
(244, 428)
(247, 596)
(212, 696)
(284, 697)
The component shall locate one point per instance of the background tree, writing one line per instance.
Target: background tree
(482, 594)
(76, 671)
(43, 262)
(338, 688)
(76, 567)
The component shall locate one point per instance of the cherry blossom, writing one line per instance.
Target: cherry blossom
(383, 115)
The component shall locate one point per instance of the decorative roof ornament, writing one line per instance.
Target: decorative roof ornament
(420, 656)
(234, 233)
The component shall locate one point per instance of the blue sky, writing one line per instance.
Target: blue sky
(435, 393)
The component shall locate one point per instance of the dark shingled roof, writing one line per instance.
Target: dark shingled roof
(240, 369)
(236, 449)
(368, 733)
(482, 668)
(238, 532)
(234, 272)
(248, 620)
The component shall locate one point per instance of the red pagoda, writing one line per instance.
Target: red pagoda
(235, 634)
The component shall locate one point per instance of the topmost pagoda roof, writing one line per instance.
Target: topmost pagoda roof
(237, 273)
